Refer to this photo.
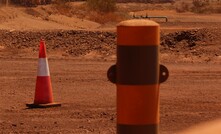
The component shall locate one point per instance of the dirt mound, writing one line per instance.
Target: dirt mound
(190, 37)
(192, 42)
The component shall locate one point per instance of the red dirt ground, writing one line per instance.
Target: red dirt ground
(78, 69)
(191, 95)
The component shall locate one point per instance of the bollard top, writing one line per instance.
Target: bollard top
(140, 22)
(138, 33)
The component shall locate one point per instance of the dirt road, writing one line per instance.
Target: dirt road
(191, 95)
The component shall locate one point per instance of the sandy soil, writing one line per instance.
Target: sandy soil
(190, 96)
(80, 52)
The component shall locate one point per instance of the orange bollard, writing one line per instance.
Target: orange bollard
(43, 91)
(137, 75)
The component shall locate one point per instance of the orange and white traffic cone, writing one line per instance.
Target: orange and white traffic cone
(43, 92)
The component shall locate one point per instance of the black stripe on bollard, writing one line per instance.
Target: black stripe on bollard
(137, 65)
(137, 129)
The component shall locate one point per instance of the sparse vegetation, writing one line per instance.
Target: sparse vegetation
(63, 7)
(60, 1)
(102, 5)
(198, 6)
(32, 12)
(103, 18)
(182, 6)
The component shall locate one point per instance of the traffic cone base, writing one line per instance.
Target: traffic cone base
(43, 105)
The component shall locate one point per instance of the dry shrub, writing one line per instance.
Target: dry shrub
(63, 7)
(135, 7)
(198, 6)
(182, 6)
(82, 11)
(59, 2)
(218, 9)
(103, 18)
(102, 5)
(201, 6)
(32, 12)
(200, 3)
(206, 6)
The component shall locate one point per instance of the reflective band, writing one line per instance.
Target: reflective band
(43, 69)
(137, 65)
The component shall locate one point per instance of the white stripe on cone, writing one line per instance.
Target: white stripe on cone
(43, 69)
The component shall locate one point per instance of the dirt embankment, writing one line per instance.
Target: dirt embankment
(71, 42)
(48, 17)
(201, 43)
